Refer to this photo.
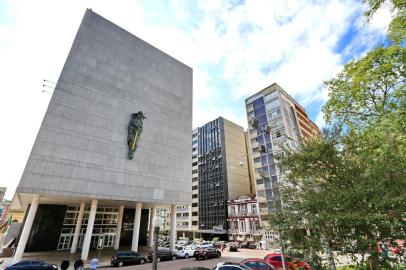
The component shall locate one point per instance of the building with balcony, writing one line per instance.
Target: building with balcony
(187, 215)
(243, 220)
(275, 119)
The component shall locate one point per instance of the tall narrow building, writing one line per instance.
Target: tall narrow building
(274, 119)
(221, 148)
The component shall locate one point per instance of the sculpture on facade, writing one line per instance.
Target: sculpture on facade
(134, 132)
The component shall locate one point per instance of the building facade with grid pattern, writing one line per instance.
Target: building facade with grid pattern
(221, 147)
(275, 120)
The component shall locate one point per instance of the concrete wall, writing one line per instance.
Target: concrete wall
(237, 176)
(81, 148)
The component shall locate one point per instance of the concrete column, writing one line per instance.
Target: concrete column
(18, 255)
(172, 232)
(89, 230)
(77, 228)
(118, 229)
(152, 214)
(136, 230)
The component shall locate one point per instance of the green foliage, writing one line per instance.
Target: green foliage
(397, 27)
(346, 190)
(216, 239)
(367, 88)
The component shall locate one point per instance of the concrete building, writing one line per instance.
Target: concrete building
(187, 215)
(274, 119)
(2, 193)
(195, 183)
(79, 186)
(221, 148)
(243, 220)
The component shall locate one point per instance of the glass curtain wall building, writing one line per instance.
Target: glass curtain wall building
(221, 147)
(212, 175)
(274, 119)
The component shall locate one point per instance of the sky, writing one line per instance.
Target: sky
(236, 48)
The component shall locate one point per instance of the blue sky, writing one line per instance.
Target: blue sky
(235, 48)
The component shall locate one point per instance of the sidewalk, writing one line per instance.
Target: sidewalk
(56, 257)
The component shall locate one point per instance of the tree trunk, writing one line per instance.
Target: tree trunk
(329, 255)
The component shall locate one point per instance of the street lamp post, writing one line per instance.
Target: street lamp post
(157, 223)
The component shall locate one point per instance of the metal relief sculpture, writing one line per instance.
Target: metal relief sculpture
(134, 132)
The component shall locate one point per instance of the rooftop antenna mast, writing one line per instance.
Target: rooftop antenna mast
(48, 86)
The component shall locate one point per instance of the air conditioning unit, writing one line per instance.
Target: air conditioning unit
(262, 148)
(253, 122)
(266, 129)
(260, 172)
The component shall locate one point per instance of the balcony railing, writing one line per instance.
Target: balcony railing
(243, 214)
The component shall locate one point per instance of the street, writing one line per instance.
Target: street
(181, 263)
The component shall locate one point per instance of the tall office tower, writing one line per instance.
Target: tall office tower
(274, 119)
(221, 148)
(2, 193)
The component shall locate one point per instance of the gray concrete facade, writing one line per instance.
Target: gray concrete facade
(81, 148)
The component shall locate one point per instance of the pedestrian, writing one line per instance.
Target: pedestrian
(78, 264)
(222, 247)
(93, 263)
(65, 264)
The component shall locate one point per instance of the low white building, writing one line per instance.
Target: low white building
(243, 220)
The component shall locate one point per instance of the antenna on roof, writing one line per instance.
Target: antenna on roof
(48, 86)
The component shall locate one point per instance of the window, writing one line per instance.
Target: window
(194, 204)
(260, 181)
(272, 105)
(194, 187)
(194, 223)
(274, 113)
(271, 96)
(194, 196)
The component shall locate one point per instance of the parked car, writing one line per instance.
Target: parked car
(205, 253)
(126, 258)
(230, 266)
(163, 254)
(233, 246)
(275, 259)
(185, 252)
(252, 245)
(195, 268)
(205, 245)
(244, 245)
(32, 265)
(257, 264)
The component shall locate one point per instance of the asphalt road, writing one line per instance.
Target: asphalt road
(180, 263)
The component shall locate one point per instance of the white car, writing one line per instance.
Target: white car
(205, 245)
(231, 266)
(184, 252)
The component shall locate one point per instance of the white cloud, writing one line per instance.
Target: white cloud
(294, 41)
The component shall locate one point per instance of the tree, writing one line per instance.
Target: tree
(367, 88)
(397, 27)
(347, 189)
(335, 199)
